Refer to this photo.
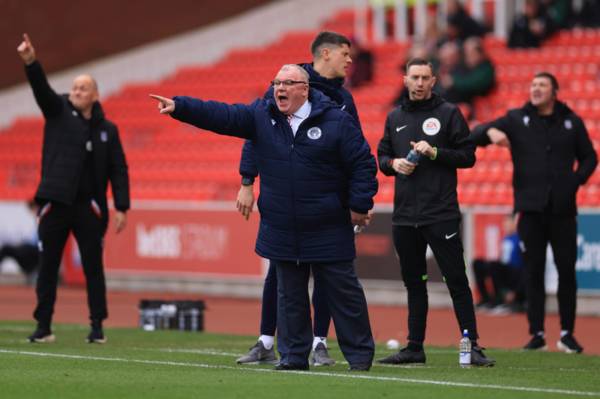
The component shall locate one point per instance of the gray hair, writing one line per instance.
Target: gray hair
(302, 71)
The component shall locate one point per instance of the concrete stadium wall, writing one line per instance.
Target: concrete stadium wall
(154, 61)
(68, 33)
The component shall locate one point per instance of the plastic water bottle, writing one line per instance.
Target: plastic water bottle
(413, 156)
(464, 358)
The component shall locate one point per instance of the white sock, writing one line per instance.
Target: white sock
(318, 340)
(267, 340)
(564, 332)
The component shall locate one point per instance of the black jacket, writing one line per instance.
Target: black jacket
(64, 148)
(428, 195)
(544, 152)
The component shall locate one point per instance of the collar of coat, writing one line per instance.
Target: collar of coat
(560, 109)
(432, 102)
(332, 88)
(97, 111)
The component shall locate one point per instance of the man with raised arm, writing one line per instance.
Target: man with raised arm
(81, 154)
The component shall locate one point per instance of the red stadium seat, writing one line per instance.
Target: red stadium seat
(169, 160)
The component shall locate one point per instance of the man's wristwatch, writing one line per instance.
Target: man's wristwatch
(247, 181)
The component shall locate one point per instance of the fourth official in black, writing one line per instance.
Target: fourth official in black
(425, 204)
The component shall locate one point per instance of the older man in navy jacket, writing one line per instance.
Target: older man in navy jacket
(317, 180)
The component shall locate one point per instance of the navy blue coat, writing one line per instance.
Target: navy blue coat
(332, 88)
(308, 185)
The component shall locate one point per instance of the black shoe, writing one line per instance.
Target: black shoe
(96, 336)
(360, 367)
(42, 335)
(479, 359)
(288, 367)
(405, 356)
(568, 344)
(537, 343)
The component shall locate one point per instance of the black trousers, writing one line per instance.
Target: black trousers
(56, 222)
(346, 302)
(445, 242)
(268, 320)
(536, 230)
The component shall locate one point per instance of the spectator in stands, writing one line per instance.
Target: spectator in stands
(507, 274)
(475, 76)
(80, 155)
(432, 38)
(546, 138)
(532, 27)
(25, 253)
(331, 62)
(317, 181)
(589, 14)
(460, 25)
(425, 203)
(361, 68)
(449, 59)
(561, 12)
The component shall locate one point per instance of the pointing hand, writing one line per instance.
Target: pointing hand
(26, 50)
(165, 105)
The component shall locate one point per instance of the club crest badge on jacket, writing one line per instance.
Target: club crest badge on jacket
(314, 133)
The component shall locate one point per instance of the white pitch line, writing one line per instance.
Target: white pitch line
(212, 352)
(310, 373)
(216, 352)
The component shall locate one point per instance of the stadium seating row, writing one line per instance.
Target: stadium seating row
(168, 160)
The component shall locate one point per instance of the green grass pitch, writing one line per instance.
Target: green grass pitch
(173, 364)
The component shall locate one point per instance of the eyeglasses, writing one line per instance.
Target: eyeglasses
(287, 83)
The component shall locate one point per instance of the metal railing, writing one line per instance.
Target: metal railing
(503, 11)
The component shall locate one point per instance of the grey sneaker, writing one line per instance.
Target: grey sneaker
(258, 354)
(320, 356)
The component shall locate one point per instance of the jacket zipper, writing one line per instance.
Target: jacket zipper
(296, 244)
